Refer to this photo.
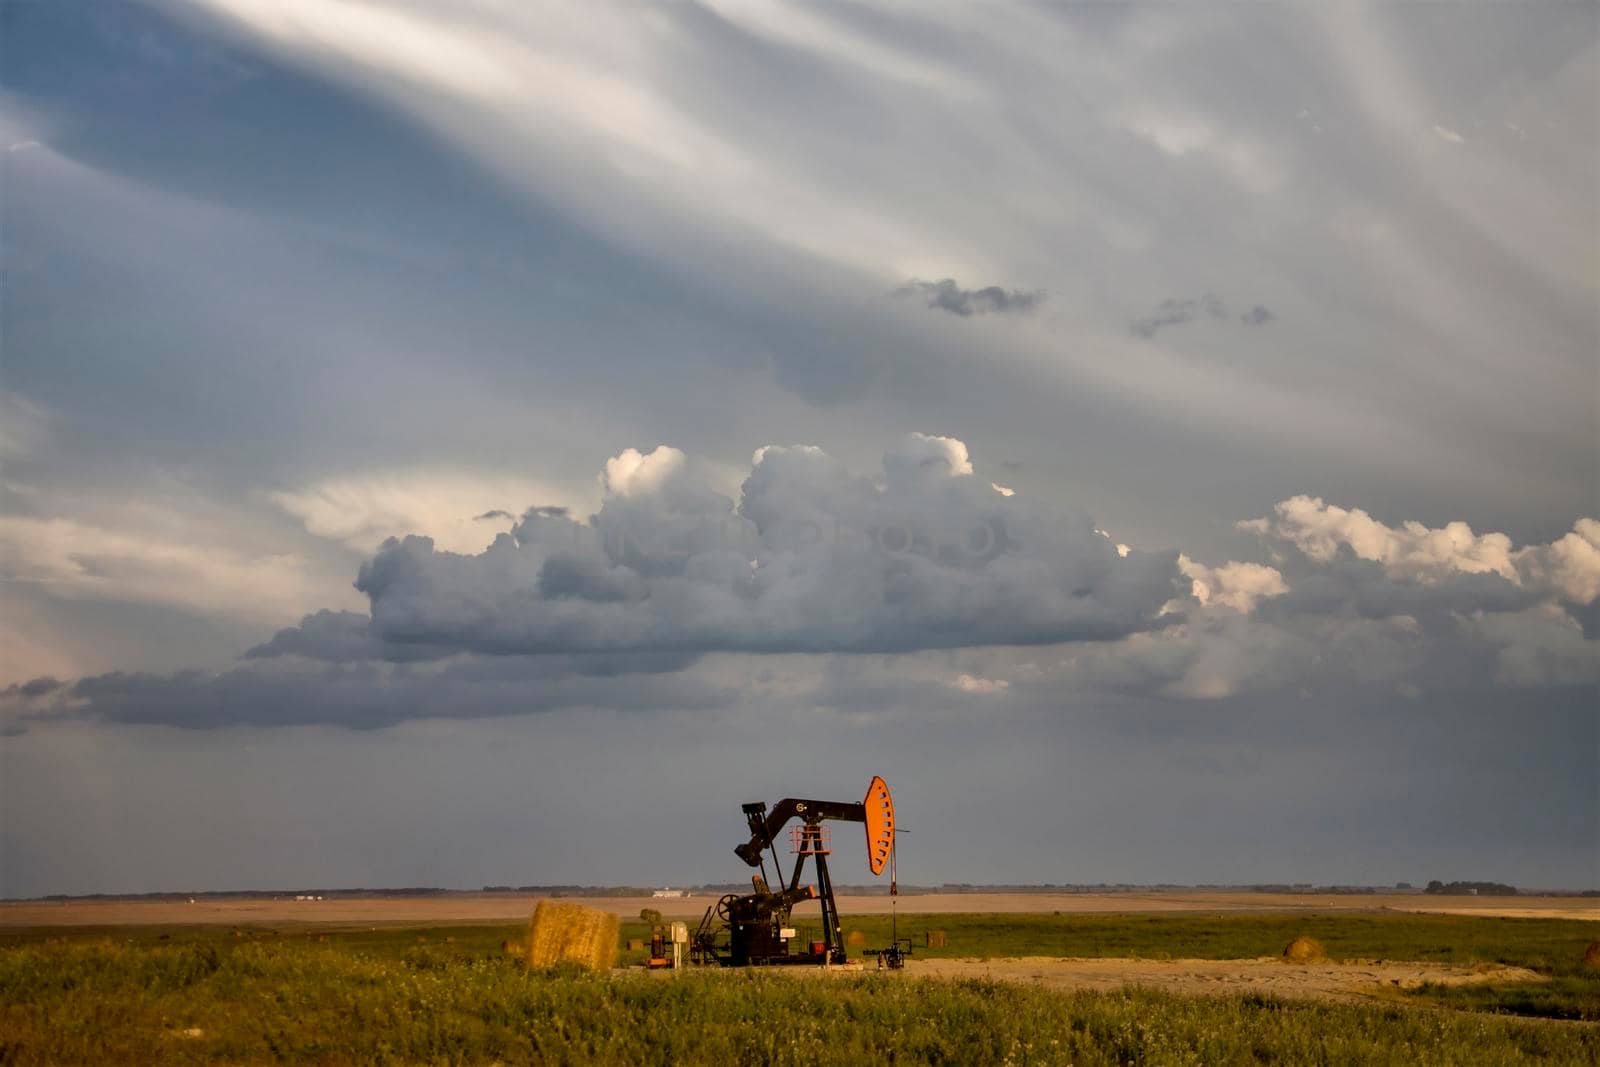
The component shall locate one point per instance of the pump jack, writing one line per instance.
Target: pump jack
(757, 923)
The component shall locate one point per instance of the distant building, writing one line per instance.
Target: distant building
(667, 894)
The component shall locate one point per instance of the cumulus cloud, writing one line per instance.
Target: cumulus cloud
(1540, 646)
(1354, 600)
(631, 472)
(970, 684)
(1233, 585)
(946, 295)
(337, 637)
(1568, 567)
(812, 558)
(621, 609)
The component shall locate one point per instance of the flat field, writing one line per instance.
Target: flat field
(512, 907)
(1008, 987)
(1083, 988)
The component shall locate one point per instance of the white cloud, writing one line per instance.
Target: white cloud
(1569, 567)
(969, 684)
(631, 472)
(918, 454)
(1233, 585)
(1410, 550)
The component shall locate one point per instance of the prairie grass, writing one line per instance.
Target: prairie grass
(304, 1000)
(1547, 945)
(1552, 947)
(396, 994)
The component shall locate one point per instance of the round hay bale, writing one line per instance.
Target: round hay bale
(1591, 955)
(855, 939)
(563, 932)
(1302, 949)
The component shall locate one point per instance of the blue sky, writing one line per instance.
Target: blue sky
(1161, 442)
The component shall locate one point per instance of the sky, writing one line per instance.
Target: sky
(486, 443)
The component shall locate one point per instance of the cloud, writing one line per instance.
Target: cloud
(24, 426)
(1176, 312)
(1234, 585)
(1257, 316)
(1445, 133)
(812, 558)
(361, 511)
(147, 559)
(919, 454)
(946, 295)
(969, 684)
(36, 687)
(815, 564)
(348, 637)
(1352, 599)
(359, 695)
(338, 637)
(1568, 568)
(632, 473)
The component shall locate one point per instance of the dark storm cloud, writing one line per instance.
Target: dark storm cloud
(36, 687)
(339, 637)
(946, 295)
(366, 695)
(347, 637)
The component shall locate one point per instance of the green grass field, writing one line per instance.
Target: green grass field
(448, 995)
